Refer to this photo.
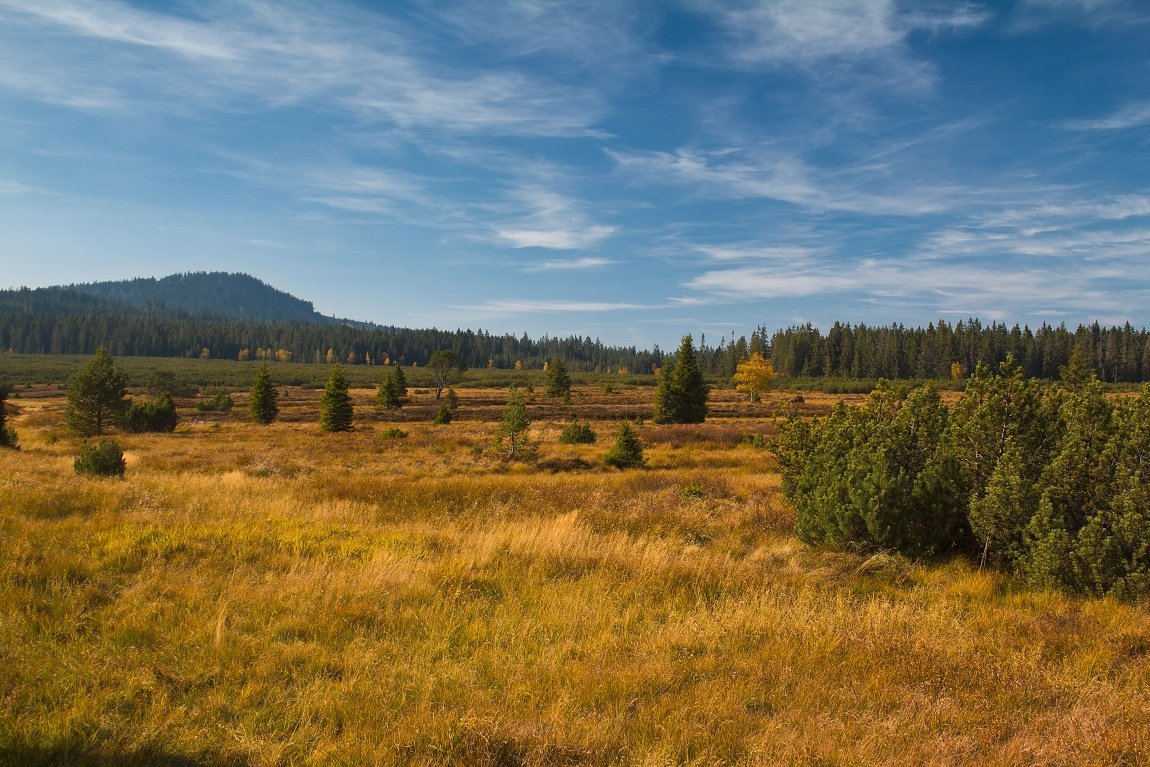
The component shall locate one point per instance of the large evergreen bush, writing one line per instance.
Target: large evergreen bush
(103, 459)
(158, 415)
(1047, 483)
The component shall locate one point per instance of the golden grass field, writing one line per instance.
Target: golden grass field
(276, 596)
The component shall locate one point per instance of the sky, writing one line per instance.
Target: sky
(628, 171)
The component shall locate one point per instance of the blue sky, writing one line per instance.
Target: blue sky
(630, 171)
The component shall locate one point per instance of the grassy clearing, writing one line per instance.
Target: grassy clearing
(272, 596)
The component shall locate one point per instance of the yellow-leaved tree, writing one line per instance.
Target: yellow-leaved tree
(754, 375)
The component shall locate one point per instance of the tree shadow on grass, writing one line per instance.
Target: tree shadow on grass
(77, 755)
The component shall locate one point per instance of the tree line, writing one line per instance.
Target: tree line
(167, 334)
(941, 350)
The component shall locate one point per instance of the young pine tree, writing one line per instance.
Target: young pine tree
(96, 398)
(627, 452)
(387, 395)
(335, 411)
(513, 426)
(682, 393)
(558, 380)
(400, 382)
(262, 403)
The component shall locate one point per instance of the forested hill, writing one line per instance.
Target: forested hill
(213, 293)
(150, 318)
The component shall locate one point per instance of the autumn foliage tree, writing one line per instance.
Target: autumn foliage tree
(754, 376)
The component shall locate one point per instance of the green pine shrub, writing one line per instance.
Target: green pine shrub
(627, 453)
(158, 415)
(103, 459)
(221, 403)
(577, 433)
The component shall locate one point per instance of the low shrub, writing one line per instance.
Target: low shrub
(443, 416)
(576, 433)
(104, 459)
(754, 440)
(158, 415)
(393, 433)
(221, 403)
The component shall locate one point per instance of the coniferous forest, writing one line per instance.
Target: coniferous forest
(183, 316)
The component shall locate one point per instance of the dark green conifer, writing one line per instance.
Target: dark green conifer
(96, 398)
(335, 410)
(7, 435)
(682, 393)
(627, 452)
(558, 379)
(262, 402)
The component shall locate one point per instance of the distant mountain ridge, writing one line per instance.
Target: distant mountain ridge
(219, 294)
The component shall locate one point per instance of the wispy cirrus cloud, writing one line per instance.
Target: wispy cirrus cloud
(239, 54)
(12, 187)
(534, 306)
(1129, 116)
(567, 265)
(785, 177)
(839, 40)
(550, 220)
(753, 251)
(1070, 258)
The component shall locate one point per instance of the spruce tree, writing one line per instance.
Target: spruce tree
(262, 402)
(558, 379)
(627, 451)
(335, 411)
(387, 395)
(96, 398)
(400, 382)
(682, 393)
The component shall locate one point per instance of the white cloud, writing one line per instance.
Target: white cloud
(1130, 116)
(528, 306)
(249, 54)
(776, 175)
(8, 186)
(1078, 257)
(749, 251)
(549, 219)
(822, 36)
(568, 265)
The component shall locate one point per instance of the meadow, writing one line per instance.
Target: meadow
(278, 596)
